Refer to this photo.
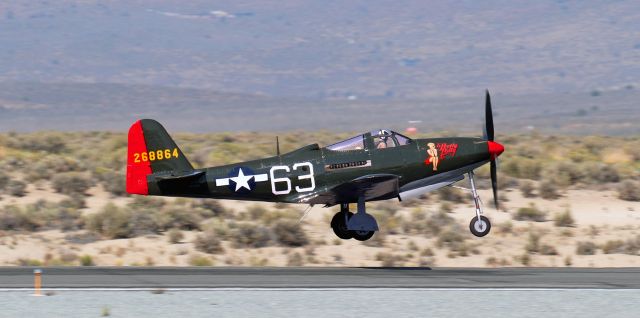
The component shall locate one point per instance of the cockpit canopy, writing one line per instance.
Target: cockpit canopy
(382, 138)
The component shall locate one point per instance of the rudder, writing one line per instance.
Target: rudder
(151, 150)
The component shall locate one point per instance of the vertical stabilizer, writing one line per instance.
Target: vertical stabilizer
(151, 150)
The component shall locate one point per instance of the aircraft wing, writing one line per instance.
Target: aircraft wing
(374, 186)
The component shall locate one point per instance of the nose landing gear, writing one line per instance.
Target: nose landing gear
(480, 225)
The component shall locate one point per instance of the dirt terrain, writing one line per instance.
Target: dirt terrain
(599, 217)
(63, 202)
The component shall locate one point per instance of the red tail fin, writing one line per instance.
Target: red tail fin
(137, 169)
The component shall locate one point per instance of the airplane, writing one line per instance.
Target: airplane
(377, 165)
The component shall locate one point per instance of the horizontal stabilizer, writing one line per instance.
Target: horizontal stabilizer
(182, 176)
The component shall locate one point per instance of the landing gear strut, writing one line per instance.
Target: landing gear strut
(480, 225)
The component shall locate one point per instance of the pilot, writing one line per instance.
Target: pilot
(382, 143)
(383, 135)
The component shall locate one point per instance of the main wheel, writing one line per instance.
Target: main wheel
(480, 227)
(362, 235)
(339, 225)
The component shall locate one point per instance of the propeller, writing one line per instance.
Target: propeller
(494, 183)
(488, 117)
(495, 149)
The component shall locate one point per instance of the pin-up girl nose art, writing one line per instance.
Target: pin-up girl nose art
(433, 156)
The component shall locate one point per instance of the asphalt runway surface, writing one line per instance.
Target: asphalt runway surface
(320, 277)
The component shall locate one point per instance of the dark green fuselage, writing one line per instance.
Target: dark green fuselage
(312, 171)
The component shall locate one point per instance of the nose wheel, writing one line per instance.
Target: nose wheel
(480, 227)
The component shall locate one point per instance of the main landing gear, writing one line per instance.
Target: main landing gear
(480, 225)
(360, 226)
(339, 223)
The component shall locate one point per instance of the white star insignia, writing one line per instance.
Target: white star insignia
(241, 180)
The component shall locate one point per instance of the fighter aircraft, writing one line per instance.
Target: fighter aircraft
(377, 165)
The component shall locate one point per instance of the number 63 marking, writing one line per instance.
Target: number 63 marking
(287, 181)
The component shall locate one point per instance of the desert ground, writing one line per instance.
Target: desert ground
(599, 217)
(62, 202)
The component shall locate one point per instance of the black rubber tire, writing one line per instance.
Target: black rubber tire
(477, 232)
(362, 237)
(339, 226)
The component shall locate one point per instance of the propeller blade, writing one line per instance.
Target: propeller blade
(484, 131)
(494, 182)
(488, 116)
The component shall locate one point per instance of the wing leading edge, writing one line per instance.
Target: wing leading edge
(372, 187)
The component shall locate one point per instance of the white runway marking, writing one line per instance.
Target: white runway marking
(314, 289)
(321, 302)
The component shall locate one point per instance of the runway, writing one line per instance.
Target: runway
(320, 277)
